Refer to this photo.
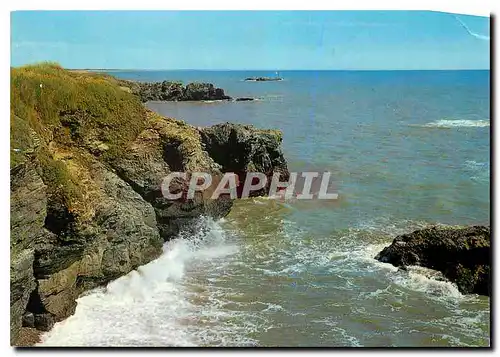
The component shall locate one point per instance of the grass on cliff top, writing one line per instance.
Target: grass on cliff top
(72, 109)
(79, 107)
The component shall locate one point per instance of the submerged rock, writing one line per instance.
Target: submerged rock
(461, 254)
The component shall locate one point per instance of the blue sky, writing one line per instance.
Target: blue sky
(251, 40)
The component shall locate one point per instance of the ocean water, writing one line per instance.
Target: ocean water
(406, 149)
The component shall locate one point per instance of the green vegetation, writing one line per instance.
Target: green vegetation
(55, 103)
(55, 109)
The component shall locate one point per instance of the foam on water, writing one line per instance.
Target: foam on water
(205, 290)
(450, 123)
(479, 171)
(151, 306)
(322, 267)
(349, 258)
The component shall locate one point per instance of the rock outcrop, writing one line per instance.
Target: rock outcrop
(244, 99)
(175, 91)
(243, 148)
(87, 165)
(263, 79)
(461, 254)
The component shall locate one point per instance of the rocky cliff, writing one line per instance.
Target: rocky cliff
(462, 254)
(87, 163)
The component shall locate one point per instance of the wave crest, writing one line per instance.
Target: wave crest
(447, 123)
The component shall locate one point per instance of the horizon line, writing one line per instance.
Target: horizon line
(275, 70)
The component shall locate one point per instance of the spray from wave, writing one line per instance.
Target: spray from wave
(225, 286)
(153, 305)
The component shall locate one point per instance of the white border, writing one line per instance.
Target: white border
(471, 7)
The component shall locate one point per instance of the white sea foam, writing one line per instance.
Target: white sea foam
(151, 306)
(185, 297)
(432, 283)
(450, 123)
(480, 171)
(348, 254)
(415, 278)
(477, 165)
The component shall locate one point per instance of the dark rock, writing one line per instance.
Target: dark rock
(50, 257)
(203, 91)
(263, 79)
(175, 91)
(44, 322)
(22, 283)
(244, 99)
(461, 254)
(28, 319)
(243, 148)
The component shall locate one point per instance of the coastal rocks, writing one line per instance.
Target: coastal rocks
(110, 233)
(204, 91)
(86, 199)
(43, 322)
(244, 99)
(263, 79)
(169, 145)
(28, 212)
(175, 91)
(461, 254)
(168, 91)
(22, 283)
(243, 148)
(28, 205)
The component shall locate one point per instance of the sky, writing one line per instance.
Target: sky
(232, 40)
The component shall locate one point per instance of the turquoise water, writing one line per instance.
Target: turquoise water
(406, 149)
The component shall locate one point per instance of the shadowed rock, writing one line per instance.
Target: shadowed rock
(243, 148)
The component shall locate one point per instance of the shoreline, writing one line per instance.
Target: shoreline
(413, 269)
(78, 184)
(29, 337)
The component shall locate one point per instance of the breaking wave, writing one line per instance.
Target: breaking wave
(445, 123)
(226, 287)
(156, 305)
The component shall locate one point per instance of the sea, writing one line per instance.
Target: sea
(406, 150)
